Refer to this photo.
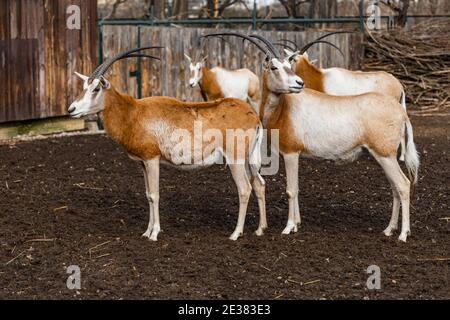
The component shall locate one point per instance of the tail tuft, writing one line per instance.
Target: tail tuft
(412, 160)
(403, 99)
(255, 158)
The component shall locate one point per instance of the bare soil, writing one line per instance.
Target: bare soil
(81, 201)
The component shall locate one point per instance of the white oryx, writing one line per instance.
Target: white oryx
(343, 82)
(312, 123)
(186, 135)
(216, 83)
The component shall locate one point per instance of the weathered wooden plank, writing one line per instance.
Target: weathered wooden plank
(4, 20)
(3, 78)
(40, 21)
(19, 79)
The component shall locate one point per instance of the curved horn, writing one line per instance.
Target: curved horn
(239, 35)
(331, 33)
(101, 69)
(269, 45)
(309, 45)
(140, 56)
(291, 42)
(284, 45)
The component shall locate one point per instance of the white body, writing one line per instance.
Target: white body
(342, 82)
(235, 83)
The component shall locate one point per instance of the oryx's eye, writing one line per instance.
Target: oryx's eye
(273, 68)
(96, 90)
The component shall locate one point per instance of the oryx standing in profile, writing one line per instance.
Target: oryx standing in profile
(165, 130)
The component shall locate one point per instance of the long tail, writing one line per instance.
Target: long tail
(255, 158)
(412, 160)
(403, 99)
(403, 142)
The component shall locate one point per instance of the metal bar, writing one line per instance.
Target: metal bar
(338, 20)
(255, 15)
(232, 21)
(100, 44)
(100, 60)
(139, 67)
(362, 16)
(152, 13)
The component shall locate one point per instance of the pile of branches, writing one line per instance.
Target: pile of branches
(420, 58)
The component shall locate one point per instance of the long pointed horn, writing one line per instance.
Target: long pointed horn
(239, 35)
(200, 48)
(284, 45)
(332, 33)
(140, 56)
(269, 45)
(291, 42)
(309, 45)
(101, 69)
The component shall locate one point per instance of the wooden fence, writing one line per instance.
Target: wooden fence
(38, 55)
(170, 75)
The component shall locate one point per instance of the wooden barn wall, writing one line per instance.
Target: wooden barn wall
(39, 54)
(170, 76)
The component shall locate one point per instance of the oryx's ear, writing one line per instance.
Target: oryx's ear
(291, 55)
(81, 76)
(188, 58)
(306, 55)
(104, 83)
(267, 61)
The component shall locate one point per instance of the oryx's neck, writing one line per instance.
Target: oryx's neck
(116, 115)
(269, 103)
(311, 75)
(205, 75)
(210, 85)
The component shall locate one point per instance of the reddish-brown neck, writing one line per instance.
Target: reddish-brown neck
(311, 75)
(269, 101)
(116, 114)
(209, 85)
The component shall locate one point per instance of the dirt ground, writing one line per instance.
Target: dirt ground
(81, 201)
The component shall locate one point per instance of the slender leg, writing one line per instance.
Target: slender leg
(393, 223)
(240, 177)
(259, 187)
(402, 187)
(291, 162)
(147, 192)
(152, 170)
(298, 219)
